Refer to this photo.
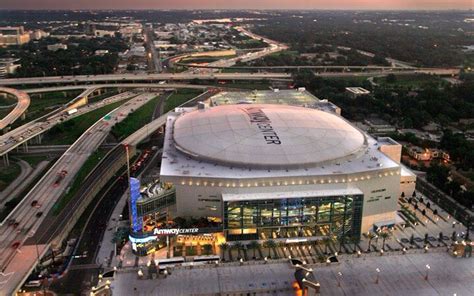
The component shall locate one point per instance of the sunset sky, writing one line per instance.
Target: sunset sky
(236, 4)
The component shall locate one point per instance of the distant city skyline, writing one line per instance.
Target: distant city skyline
(239, 4)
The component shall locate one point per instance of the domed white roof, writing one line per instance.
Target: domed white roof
(266, 136)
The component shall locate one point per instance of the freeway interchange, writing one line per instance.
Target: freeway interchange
(22, 134)
(23, 222)
(22, 105)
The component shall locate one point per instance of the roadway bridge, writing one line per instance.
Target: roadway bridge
(19, 111)
(140, 78)
(35, 129)
(47, 192)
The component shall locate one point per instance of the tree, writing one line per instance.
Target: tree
(238, 246)
(384, 235)
(355, 240)
(224, 247)
(326, 241)
(207, 249)
(391, 78)
(270, 244)
(253, 245)
(371, 236)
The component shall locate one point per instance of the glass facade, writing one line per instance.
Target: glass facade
(293, 217)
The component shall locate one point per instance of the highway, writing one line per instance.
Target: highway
(273, 47)
(47, 192)
(20, 108)
(141, 77)
(114, 85)
(22, 134)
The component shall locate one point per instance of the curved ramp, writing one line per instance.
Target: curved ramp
(20, 108)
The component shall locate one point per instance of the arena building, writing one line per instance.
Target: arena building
(281, 172)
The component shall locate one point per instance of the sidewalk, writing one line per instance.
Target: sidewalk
(105, 255)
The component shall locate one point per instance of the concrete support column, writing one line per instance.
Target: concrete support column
(6, 161)
(25, 146)
(38, 138)
(23, 116)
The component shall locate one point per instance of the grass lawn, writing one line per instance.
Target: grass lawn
(9, 174)
(135, 121)
(180, 97)
(4, 112)
(236, 70)
(33, 160)
(106, 94)
(69, 131)
(9, 206)
(7, 101)
(86, 168)
(40, 106)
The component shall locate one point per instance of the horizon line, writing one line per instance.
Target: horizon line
(237, 9)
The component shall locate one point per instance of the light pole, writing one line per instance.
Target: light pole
(428, 267)
(378, 275)
(339, 278)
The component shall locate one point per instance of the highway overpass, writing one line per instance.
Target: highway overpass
(114, 85)
(23, 102)
(46, 192)
(26, 132)
(150, 78)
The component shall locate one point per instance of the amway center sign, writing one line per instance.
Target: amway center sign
(174, 231)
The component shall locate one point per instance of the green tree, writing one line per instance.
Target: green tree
(384, 235)
(370, 236)
(223, 247)
(253, 245)
(270, 244)
(207, 249)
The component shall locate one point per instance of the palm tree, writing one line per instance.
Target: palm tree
(270, 244)
(326, 242)
(371, 236)
(224, 247)
(355, 240)
(207, 249)
(384, 235)
(238, 246)
(254, 245)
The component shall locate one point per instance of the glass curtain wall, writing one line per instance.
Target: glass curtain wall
(293, 217)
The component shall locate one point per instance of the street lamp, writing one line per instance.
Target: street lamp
(339, 279)
(378, 275)
(428, 267)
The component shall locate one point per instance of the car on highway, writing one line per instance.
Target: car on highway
(39, 214)
(15, 245)
(59, 178)
(35, 204)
